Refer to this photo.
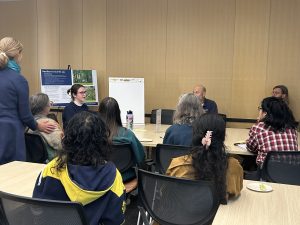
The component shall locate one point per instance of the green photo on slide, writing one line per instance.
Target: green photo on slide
(83, 77)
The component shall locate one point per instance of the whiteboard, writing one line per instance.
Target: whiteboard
(129, 92)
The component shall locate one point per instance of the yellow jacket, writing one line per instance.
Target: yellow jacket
(182, 167)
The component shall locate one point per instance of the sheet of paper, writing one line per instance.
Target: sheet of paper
(145, 140)
(243, 146)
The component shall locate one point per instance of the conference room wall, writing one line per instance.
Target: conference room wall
(239, 49)
(18, 19)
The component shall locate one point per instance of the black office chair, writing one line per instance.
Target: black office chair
(165, 153)
(19, 210)
(36, 150)
(223, 116)
(166, 116)
(282, 167)
(176, 201)
(122, 156)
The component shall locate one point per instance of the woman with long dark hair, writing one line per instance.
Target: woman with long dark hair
(81, 172)
(275, 130)
(208, 159)
(110, 112)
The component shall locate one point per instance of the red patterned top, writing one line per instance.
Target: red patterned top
(262, 140)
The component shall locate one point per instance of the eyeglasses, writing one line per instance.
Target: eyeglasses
(259, 108)
(50, 104)
(82, 92)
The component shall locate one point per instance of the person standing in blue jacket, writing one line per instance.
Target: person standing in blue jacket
(15, 113)
(82, 173)
(78, 95)
(110, 112)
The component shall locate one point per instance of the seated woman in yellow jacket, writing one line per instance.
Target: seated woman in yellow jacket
(208, 159)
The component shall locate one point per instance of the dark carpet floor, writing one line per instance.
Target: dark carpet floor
(131, 214)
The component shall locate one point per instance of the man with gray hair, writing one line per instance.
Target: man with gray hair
(208, 105)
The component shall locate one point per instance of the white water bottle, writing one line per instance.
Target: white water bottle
(129, 120)
(158, 120)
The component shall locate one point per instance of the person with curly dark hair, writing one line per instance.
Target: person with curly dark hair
(275, 130)
(110, 112)
(81, 172)
(208, 159)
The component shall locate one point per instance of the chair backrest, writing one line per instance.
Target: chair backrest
(121, 155)
(282, 167)
(223, 116)
(18, 210)
(177, 201)
(166, 116)
(165, 153)
(36, 150)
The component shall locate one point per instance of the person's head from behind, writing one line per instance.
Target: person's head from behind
(209, 122)
(188, 109)
(281, 91)
(200, 92)
(110, 112)
(40, 104)
(274, 112)
(77, 93)
(10, 49)
(209, 158)
(85, 141)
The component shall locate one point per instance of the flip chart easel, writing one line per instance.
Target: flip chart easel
(129, 92)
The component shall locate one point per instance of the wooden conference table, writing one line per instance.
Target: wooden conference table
(278, 207)
(150, 135)
(19, 177)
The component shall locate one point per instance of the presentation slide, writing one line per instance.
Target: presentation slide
(55, 83)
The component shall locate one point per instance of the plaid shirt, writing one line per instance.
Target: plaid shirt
(262, 140)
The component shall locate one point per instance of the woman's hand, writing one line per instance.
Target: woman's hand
(46, 126)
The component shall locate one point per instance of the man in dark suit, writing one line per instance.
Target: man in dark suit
(208, 105)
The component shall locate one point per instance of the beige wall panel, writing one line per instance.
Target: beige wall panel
(239, 49)
(239, 125)
(200, 49)
(94, 41)
(18, 19)
(136, 44)
(284, 50)
(48, 34)
(70, 33)
(250, 57)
